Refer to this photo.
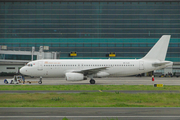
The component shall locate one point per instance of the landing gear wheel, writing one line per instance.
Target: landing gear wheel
(40, 80)
(92, 81)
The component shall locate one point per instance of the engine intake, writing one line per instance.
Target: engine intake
(75, 77)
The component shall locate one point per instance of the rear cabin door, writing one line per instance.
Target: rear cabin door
(141, 65)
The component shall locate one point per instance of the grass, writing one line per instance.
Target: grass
(85, 99)
(87, 87)
(96, 99)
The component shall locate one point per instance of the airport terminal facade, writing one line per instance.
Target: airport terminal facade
(91, 28)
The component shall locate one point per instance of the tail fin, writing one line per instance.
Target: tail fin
(159, 50)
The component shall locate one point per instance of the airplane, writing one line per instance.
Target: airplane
(80, 69)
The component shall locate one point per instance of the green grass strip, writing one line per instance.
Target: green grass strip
(87, 87)
(96, 99)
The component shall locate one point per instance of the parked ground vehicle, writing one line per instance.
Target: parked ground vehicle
(177, 74)
(158, 74)
(15, 80)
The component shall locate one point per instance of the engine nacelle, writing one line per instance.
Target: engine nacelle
(75, 77)
(102, 74)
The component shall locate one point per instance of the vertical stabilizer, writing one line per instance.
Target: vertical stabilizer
(159, 50)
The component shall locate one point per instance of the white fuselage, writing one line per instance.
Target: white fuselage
(80, 69)
(58, 68)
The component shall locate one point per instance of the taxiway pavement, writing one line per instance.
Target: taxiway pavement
(104, 81)
(90, 113)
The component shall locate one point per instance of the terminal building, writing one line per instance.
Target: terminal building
(92, 29)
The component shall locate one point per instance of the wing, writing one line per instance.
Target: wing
(90, 71)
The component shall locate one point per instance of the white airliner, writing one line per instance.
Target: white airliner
(79, 69)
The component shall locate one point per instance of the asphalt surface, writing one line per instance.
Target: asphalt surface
(90, 113)
(103, 81)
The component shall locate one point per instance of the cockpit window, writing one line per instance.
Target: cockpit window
(29, 65)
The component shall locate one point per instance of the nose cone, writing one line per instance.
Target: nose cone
(22, 70)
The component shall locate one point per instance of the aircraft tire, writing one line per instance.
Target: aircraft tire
(40, 82)
(92, 81)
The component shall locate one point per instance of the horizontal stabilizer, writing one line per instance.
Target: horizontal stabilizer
(161, 63)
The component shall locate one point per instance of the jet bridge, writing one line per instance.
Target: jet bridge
(13, 66)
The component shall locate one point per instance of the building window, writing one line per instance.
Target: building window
(10, 68)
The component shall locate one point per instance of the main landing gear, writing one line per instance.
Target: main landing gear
(40, 80)
(92, 81)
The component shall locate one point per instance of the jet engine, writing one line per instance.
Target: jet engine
(102, 74)
(75, 77)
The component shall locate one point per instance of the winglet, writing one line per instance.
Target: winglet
(159, 50)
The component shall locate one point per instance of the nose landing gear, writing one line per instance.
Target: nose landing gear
(40, 80)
